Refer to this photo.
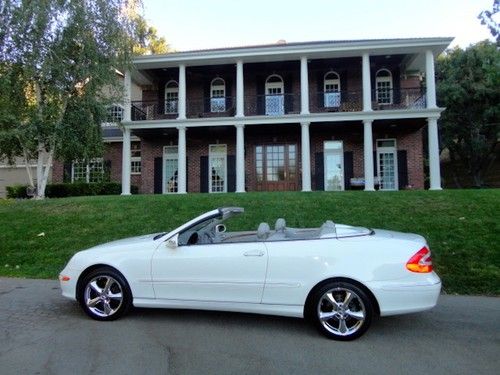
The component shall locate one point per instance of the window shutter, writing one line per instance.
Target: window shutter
(260, 83)
(158, 173)
(206, 96)
(396, 85)
(67, 172)
(289, 95)
(402, 169)
(203, 174)
(319, 171)
(348, 169)
(107, 170)
(229, 94)
(231, 173)
(320, 89)
(187, 174)
(375, 172)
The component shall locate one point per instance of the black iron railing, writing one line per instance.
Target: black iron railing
(281, 104)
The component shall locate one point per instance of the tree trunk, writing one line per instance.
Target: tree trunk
(28, 168)
(42, 170)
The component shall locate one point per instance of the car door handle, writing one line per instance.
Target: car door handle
(253, 253)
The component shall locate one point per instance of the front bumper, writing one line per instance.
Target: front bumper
(405, 296)
(68, 287)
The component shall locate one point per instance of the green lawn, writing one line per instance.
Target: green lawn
(462, 226)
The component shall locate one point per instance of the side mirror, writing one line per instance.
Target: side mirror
(220, 228)
(173, 242)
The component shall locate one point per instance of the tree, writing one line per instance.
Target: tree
(487, 18)
(468, 84)
(56, 56)
(148, 42)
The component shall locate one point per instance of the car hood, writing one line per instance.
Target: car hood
(138, 240)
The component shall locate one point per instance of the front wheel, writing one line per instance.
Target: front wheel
(341, 311)
(105, 295)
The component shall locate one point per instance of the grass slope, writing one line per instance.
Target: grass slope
(461, 226)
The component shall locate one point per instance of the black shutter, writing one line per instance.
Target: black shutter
(203, 174)
(67, 172)
(348, 169)
(229, 95)
(289, 95)
(206, 96)
(319, 171)
(319, 89)
(107, 170)
(260, 83)
(158, 173)
(402, 169)
(396, 84)
(231, 173)
(187, 174)
(375, 164)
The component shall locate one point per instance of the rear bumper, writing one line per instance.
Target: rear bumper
(407, 296)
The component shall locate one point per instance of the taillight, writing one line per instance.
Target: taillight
(421, 262)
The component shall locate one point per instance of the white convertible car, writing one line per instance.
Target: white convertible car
(337, 276)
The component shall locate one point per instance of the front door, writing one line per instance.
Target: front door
(276, 167)
(210, 272)
(170, 166)
(387, 164)
(334, 165)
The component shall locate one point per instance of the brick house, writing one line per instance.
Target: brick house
(332, 115)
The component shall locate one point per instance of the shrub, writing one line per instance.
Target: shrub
(72, 189)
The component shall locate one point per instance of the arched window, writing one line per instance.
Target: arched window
(383, 84)
(171, 97)
(331, 87)
(218, 95)
(275, 100)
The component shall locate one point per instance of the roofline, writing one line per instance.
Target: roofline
(302, 48)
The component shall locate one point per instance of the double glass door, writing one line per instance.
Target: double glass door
(334, 165)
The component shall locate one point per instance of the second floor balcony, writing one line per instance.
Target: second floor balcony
(280, 104)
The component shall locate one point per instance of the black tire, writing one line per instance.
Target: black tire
(335, 318)
(104, 294)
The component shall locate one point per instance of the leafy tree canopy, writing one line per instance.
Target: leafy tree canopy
(468, 83)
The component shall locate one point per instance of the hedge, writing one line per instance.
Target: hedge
(71, 190)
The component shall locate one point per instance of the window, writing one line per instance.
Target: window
(383, 82)
(217, 181)
(218, 95)
(171, 97)
(135, 160)
(88, 172)
(387, 164)
(170, 169)
(331, 87)
(115, 113)
(275, 100)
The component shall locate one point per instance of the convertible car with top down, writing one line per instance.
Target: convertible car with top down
(337, 276)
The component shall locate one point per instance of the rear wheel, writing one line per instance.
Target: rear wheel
(341, 311)
(105, 295)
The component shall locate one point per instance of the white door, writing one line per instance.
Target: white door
(210, 272)
(217, 166)
(334, 165)
(275, 100)
(170, 169)
(387, 164)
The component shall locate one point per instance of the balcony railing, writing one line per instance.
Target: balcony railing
(281, 104)
(407, 98)
(272, 105)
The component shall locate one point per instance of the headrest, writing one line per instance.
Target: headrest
(280, 225)
(263, 231)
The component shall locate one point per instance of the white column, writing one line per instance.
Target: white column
(240, 158)
(368, 156)
(181, 168)
(126, 162)
(304, 87)
(367, 86)
(127, 87)
(430, 80)
(182, 92)
(434, 168)
(306, 158)
(240, 90)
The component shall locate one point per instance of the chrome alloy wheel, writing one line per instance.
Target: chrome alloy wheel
(103, 295)
(341, 311)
